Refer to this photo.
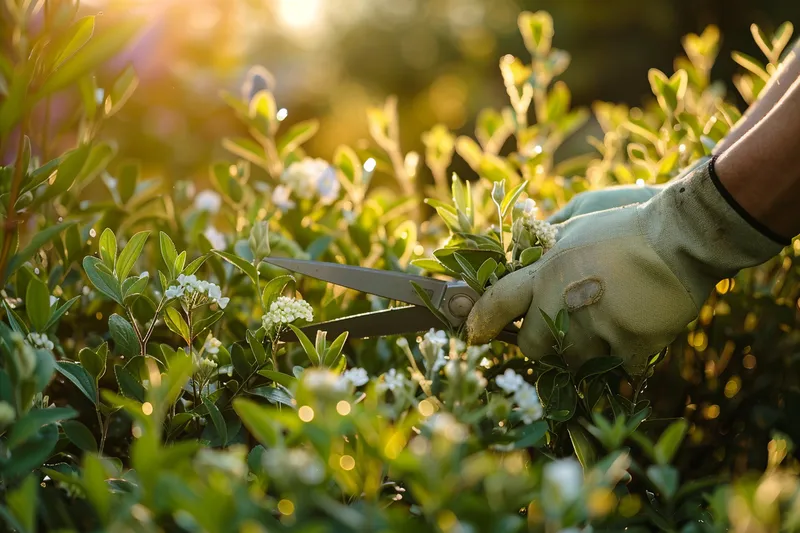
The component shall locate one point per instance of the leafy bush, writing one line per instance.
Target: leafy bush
(145, 386)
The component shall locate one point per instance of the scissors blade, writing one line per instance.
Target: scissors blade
(385, 283)
(394, 321)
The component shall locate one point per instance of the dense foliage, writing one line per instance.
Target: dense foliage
(145, 387)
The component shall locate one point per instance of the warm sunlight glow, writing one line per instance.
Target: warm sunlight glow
(300, 14)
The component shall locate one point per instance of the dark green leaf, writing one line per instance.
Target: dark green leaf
(258, 421)
(195, 265)
(129, 385)
(103, 282)
(597, 366)
(562, 321)
(582, 444)
(258, 348)
(15, 321)
(550, 324)
(273, 395)
(28, 425)
(429, 304)
(125, 339)
(280, 378)
(37, 304)
(217, 420)
(80, 377)
(530, 255)
(531, 435)
(665, 478)
(243, 365)
(35, 452)
(94, 361)
(22, 502)
(79, 435)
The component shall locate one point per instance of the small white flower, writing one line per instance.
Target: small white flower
(510, 381)
(215, 237)
(393, 380)
(296, 463)
(223, 302)
(212, 345)
(280, 197)
(445, 425)
(328, 186)
(356, 376)
(349, 216)
(323, 380)
(175, 291)
(312, 177)
(40, 340)
(208, 200)
(53, 301)
(436, 338)
(564, 476)
(530, 407)
(214, 292)
(230, 462)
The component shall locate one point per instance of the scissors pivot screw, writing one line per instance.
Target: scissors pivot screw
(460, 305)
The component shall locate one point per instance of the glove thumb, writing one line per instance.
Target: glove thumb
(503, 303)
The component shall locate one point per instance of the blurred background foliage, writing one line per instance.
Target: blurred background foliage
(335, 58)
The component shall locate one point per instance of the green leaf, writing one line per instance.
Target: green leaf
(180, 261)
(308, 347)
(531, 434)
(276, 287)
(131, 252)
(68, 170)
(280, 378)
(133, 287)
(335, 350)
(80, 377)
(530, 255)
(59, 312)
(241, 363)
(77, 36)
(37, 304)
(129, 385)
(128, 175)
(465, 265)
(199, 326)
(217, 420)
(562, 321)
(121, 91)
(258, 348)
(239, 263)
(37, 242)
(258, 421)
(29, 424)
(168, 252)
(79, 435)
(32, 454)
(195, 265)
(97, 489)
(670, 441)
(247, 149)
(296, 136)
(125, 339)
(597, 366)
(429, 304)
(100, 49)
(485, 271)
(103, 282)
(15, 321)
(665, 478)
(94, 361)
(22, 503)
(498, 193)
(263, 112)
(550, 324)
(582, 444)
(273, 395)
(176, 323)
(108, 249)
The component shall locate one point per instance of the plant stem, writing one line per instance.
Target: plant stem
(11, 222)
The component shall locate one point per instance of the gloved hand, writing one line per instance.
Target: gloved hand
(631, 278)
(611, 197)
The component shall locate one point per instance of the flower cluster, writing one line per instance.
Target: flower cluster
(212, 346)
(524, 395)
(285, 310)
(393, 381)
(432, 348)
(209, 201)
(291, 464)
(196, 292)
(527, 230)
(40, 340)
(325, 381)
(306, 179)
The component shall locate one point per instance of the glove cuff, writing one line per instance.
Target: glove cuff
(695, 228)
(750, 219)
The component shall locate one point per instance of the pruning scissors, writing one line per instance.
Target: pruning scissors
(452, 299)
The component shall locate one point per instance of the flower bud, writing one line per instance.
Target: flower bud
(259, 240)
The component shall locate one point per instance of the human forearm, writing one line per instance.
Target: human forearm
(788, 71)
(761, 171)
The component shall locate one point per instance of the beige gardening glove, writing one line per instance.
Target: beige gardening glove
(611, 197)
(631, 278)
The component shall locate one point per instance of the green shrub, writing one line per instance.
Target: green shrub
(145, 387)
